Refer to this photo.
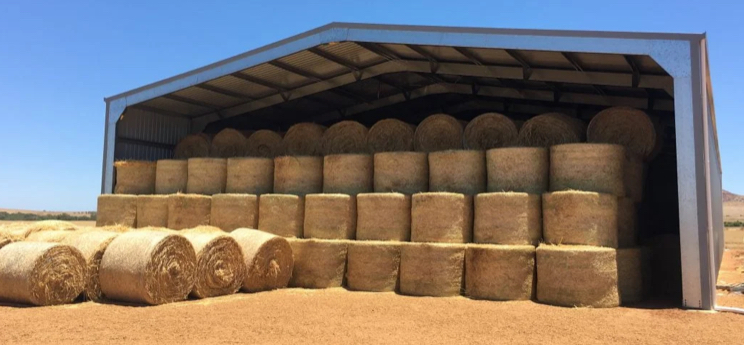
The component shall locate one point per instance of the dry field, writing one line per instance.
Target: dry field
(733, 211)
(80, 223)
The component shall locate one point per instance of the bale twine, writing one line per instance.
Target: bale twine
(220, 268)
(281, 214)
(635, 176)
(251, 175)
(14, 232)
(330, 216)
(264, 143)
(438, 132)
(207, 176)
(441, 217)
(192, 146)
(401, 172)
(490, 130)
(344, 137)
(268, 260)
(41, 273)
(188, 210)
(92, 245)
(630, 275)
(390, 135)
(50, 236)
(577, 276)
(135, 177)
(228, 143)
(584, 218)
(116, 209)
(624, 126)
(171, 176)
(500, 272)
(518, 169)
(588, 167)
(233, 211)
(298, 175)
(152, 210)
(347, 174)
(303, 139)
(150, 267)
(383, 217)
(373, 266)
(429, 269)
(457, 172)
(507, 218)
(551, 129)
(627, 223)
(318, 264)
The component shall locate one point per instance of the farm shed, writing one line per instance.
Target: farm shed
(369, 72)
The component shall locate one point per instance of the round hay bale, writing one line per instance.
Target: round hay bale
(220, 268)
(429, 269)
(19, 231)
(584, 218)
(577, 276)
(303, 139)
(202, 229)
(92, 245)
(281, 214)
(635, 176)
(41, 273)
(207, 176)
(228, 143)
(438, 132)
(118, 228)
(116, 209)
(152, 210)
(627, 223)
(330, 216)
(518, 169)
(401, 172)
(251, 175)
(457, 172)
(149, 267)
(630, 275)
(551, 129)
(318, 264)
(588, 167)
(298, 175)
(4, 241)
(135, 177)
(50, 236)
(500, 272)
(345, 137)
(624, 126)
(390, 135)
(268, 260)
(383, 217)
(233, 211)
(188, 210)
(347, 174)
(373, 266)
(489, 131)
(264, 143)
(171, 176)
(441, 217)
(507, 218)
(192, 146)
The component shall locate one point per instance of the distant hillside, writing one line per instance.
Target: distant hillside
(731, 197)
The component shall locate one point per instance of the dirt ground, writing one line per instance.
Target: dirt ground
(337, 316)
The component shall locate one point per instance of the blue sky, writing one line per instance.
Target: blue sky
(58, 59)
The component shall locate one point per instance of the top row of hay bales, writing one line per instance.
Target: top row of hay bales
(625, 126)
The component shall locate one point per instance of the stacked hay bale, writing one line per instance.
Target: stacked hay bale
(117, 209)
(206, 176)
(220, 267)
(318, 264)
(135, 177)
(264, 143)
(188, 210)
(192, 146)
(250, 175)
(92, 245)
(269, 260)
(152, 210)
(228, 143)
(234, 211)
(551, 129)
(171, 176)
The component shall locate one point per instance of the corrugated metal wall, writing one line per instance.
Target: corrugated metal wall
(716, 193)
(144, 135)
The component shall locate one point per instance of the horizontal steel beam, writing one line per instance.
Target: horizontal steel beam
(506, 93)
(159, 111)
(145, 143)
(463, 69)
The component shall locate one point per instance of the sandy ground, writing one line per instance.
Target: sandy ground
(733, 211)
(337, 316)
